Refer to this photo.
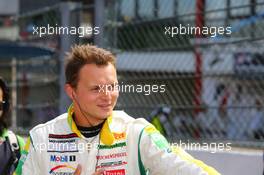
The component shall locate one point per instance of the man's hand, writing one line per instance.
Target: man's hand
(99, 172)
(78, 170)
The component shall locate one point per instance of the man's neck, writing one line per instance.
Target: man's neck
(90, 131)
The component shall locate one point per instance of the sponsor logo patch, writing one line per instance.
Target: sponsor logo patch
(111, 156)
(63, 136)
(62, 170)
(158, 139)
(115, 172)
(121, 144)
(65, 158)
(119, 136)
(111, 164)
(62, 143)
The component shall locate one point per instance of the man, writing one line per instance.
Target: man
(113, 143)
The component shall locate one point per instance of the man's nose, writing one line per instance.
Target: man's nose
(106, 93)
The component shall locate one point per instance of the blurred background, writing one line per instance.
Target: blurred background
(214, 86)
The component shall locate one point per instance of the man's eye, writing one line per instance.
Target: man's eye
(111, 87)
(95, 89)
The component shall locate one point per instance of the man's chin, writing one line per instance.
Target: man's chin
(105, 114)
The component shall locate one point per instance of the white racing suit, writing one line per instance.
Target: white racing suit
(124, 146)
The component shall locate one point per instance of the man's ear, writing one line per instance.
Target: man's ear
(69, 90)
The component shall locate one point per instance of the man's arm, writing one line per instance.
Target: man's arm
(27, 163)
(158, 157)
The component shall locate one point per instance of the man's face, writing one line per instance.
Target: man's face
(95, 91)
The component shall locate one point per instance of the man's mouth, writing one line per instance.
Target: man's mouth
(105, 106)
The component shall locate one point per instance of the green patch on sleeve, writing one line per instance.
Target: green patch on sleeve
(158, 139)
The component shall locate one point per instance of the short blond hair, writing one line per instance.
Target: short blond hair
(81, 55)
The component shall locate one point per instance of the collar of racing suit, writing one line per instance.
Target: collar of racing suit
(106, 136)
